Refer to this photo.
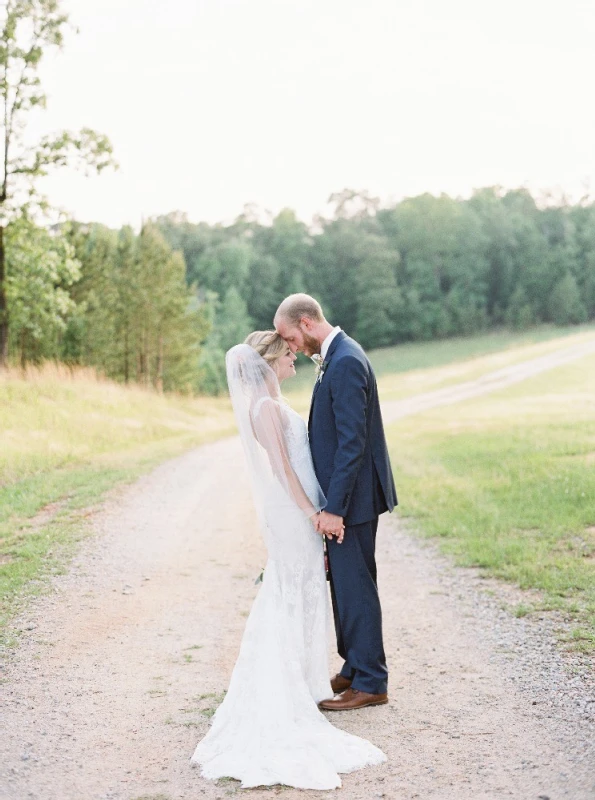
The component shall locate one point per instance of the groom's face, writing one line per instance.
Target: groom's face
(298, 338)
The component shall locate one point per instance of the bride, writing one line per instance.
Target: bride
(269, 730)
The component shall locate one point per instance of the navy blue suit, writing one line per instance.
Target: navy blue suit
(353, 468)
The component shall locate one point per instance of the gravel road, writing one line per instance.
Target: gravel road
(121, 666)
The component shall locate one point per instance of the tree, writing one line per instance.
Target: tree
(233, 323)
(135, 317)
(380, 301)
(29, 29)
(222, 266)
(230, 324)
(565, 304)
(91, 334)
(498, 226)
(168, 324)
(443, 261)
(424, 268)
(262, 295)
(519, 313)
(353, 204)
(40, 270)
(337, 255)
(583, 217)
(211, 361)
(531, 265)
(289, 243)
(126, 277)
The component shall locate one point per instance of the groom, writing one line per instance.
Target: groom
(353, 468)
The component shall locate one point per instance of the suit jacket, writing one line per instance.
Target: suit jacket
(347, 436)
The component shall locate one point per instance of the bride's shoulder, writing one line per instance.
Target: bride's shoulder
(279, 407)
(268, 403)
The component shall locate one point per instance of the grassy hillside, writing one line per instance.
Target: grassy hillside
(506, 482)
(55, 418)
(65, 439)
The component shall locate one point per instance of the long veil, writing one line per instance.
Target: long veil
(264, 425)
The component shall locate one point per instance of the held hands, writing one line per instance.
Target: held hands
(329, 525)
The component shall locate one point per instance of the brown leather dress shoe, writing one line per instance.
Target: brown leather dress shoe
(353, 698)
(339, 683)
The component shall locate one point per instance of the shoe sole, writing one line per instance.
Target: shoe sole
(354, 708)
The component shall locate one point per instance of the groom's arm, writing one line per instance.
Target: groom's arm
(349, 393)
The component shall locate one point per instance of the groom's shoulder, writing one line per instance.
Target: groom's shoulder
(353, 350)
(349, 347)
(349, 350)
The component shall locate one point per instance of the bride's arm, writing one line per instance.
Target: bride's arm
(268, 428)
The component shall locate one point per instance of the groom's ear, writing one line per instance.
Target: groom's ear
(307, 323)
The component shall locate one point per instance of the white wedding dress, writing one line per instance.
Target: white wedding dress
(269, 730)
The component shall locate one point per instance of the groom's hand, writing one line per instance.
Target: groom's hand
(331, 525)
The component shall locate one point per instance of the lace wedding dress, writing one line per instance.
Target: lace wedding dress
(268, 729)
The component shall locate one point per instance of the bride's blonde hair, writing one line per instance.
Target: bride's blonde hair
(267, 344)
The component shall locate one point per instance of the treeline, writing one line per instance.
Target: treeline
(426, 267)
(161, 307)
(114, 300)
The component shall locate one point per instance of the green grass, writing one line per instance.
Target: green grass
(424, 355)
(507, 483)
(417, 381)
(416, 367)
(56, 419)
(65, 440)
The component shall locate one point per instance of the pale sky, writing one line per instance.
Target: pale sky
(211, 104)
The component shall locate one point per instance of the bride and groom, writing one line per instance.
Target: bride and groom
(330, 480)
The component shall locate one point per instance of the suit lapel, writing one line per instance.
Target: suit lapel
(314, 390)
(333, 346)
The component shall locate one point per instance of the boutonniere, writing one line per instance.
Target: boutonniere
(320, 364)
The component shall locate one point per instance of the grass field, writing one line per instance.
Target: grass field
(65, 440)
(506, 482)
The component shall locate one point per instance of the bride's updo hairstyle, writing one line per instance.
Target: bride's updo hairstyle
(267, 344)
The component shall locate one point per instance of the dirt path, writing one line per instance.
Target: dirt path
(493, 381)
(121, 666)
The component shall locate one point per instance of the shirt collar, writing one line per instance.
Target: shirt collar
(327, 342)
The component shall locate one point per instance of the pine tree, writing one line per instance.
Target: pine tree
(565, 304)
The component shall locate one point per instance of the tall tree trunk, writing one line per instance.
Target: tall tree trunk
(147, 359)
(3, 306)
(159, 376)
(126, 357)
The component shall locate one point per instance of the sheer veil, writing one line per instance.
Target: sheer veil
(264, 422)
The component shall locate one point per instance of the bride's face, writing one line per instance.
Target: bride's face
(285, 365)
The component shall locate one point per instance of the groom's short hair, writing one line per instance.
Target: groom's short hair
(296, 306)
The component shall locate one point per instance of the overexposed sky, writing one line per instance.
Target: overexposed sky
(211, 104)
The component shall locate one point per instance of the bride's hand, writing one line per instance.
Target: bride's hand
(316, 522)
(331, 525)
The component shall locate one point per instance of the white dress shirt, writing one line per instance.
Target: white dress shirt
(327, 342)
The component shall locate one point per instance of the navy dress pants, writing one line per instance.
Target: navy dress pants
(356, 607)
